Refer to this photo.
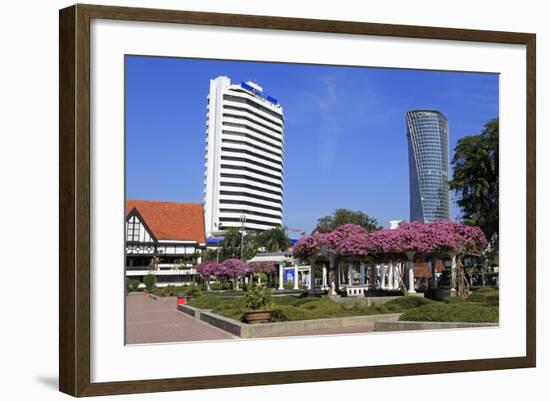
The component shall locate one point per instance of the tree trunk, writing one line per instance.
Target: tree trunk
(462, 282)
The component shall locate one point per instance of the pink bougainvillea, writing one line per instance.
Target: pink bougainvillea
(348, 240)
(262, 267)
(466, 240)
(437, 238)
(310, 246)
(234, 268)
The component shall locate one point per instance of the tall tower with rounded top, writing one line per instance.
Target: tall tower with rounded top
(428, 139)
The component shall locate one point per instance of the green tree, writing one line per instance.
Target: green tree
(346, 216)
(273, 240)
(231, 245)
(150, 281)
(475, 179)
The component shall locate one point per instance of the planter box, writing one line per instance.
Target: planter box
(413, 326)
(245, 330)
(191, 311)
(257, 316)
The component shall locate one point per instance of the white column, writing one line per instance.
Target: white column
(281, 287)
(309, 280)
(362, 273)
(383, 276)
(372, 276)
(390, 275)
(453, 274)
(410, 266)
(396, 274)
(296, 277)
(332, 267)
(433, 264)
(324, 276)
(350, 273)
(312, 276)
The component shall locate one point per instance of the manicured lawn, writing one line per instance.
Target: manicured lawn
(289, 307)
(453, 312)
(480, 307)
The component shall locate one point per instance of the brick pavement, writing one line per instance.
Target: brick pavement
(158, 321)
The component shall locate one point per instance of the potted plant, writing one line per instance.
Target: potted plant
(257, 301)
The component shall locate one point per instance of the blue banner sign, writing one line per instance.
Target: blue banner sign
(258, 93)
(289, 275)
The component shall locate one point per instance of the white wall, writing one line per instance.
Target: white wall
(28, 165)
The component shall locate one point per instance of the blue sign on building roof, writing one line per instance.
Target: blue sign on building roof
(270, 99)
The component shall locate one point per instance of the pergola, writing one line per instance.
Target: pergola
(351, 244)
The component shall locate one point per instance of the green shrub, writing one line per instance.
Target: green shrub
(460, 312)
(487, 290)
(193, 291)
(220, 286)
(149, 281)
(285, 313)
(487, 296)
(323, 308)
(398, 305)
(262, 276)
(133, 285)
(409, 301)
(257, 297)
(455, 300)
(287, 300)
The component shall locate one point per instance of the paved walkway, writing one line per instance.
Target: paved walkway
(158, 321)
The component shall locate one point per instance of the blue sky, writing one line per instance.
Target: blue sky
(345, 133)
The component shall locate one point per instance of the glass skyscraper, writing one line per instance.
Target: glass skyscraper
(428, 138)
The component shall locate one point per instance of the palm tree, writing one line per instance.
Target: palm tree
(273, 240)
(231, 243)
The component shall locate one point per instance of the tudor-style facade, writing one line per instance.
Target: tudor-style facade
(165, 239)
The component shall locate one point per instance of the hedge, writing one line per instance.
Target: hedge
(454, 312)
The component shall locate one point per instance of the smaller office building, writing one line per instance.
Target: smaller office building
(165, 239)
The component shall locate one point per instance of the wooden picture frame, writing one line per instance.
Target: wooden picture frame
(74, 199)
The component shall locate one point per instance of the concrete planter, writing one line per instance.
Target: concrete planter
(414, 326)
(245, 330)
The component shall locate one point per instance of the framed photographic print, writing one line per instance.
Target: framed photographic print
(249, 200)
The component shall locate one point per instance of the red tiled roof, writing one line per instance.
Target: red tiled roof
(421, 269)
(171, 220)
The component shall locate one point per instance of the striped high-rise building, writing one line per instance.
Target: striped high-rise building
(428, 138)
(243, 184)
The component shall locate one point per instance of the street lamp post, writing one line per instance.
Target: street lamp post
(243, 221)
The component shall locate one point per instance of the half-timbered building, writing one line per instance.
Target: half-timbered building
(165, 239)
